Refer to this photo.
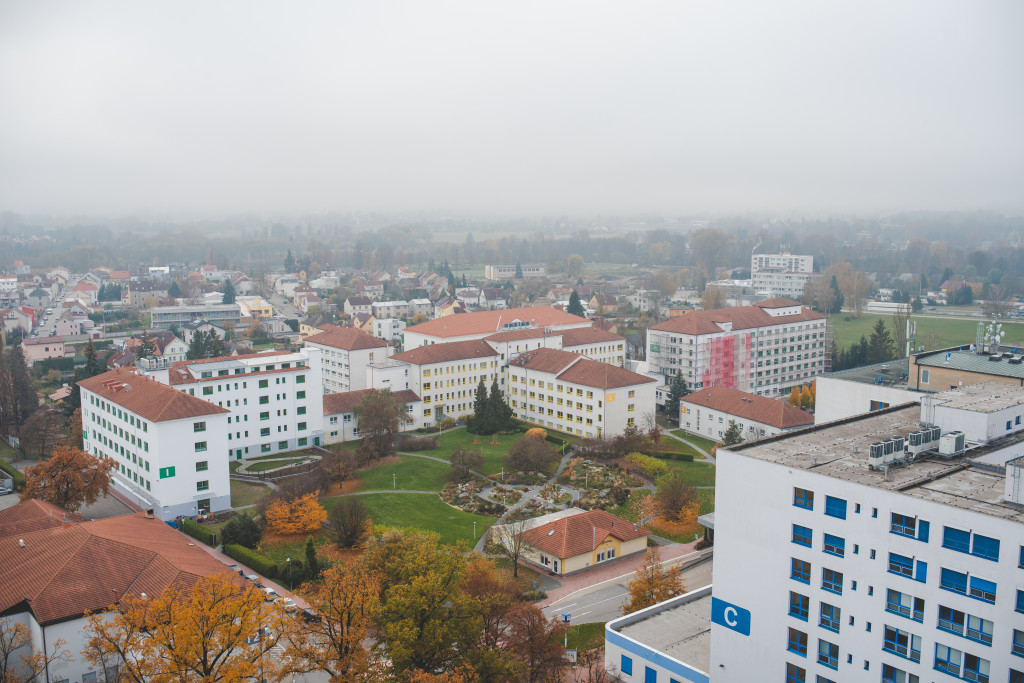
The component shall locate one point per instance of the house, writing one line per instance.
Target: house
(390, 309)
(374, 289)
(422, 307)
(37, 298)
(21, 268)
(8, 290)
(448, 306)
(87, 289)
(42, 348)
(144, 293)
(389, 329)
(569, 541)
(342, 424)
(255, 306)
(345, 352)
(709, 411)
(168, 349)
(493, 298)
(69, 325)
(364, 322)
(358, 304)
(446, 327)
(603, 304)
(189, 330)
(101, 562)
(22, 318)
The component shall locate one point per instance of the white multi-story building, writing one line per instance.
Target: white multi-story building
(166, 317)
(341, 417)
(873, 549)
(709, 411)
(274, 397)
(388, 329)
(600, 345)
(577, 395)
(170, 450)
(468, 326)
(509, 272)
(345, 352)
(765, 349)
(390, 309)
(781, 274)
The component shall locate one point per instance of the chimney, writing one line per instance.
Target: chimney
(149, 513)
(21, 542)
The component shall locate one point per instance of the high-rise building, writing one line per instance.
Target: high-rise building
(781, 274)
(345, 352)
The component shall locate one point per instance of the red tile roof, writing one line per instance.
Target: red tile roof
(519, 335)
(347, 401)
(741, 317)
(581, 533)
(484, 322)
(348, 338)
(750, 407)
(447, 352)
(578, 369)
(152, 400)
(588, 335)
(62, 572)
(33, 515)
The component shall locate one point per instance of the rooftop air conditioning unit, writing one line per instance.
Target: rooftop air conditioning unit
(876, 455)
(936, 432)
(952, 444)
(889, 449)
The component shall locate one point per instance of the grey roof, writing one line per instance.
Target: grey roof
(891, 373)
(969, 361)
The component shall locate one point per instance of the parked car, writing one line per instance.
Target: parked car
(287, 603)
(270, 593)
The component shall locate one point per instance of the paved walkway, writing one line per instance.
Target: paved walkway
(707, 456)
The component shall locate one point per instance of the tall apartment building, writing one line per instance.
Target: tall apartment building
(170, 450)
(509, 272)
(345, 353)
(765, 349)
(274, 398)
(873, 549)
(783, 275)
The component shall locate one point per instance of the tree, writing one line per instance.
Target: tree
(42, 431)
(916, 305)
(676, 391)
(312, 562)
(71, 478)
(480, 424)
(732, 435)
(900, 320)
(531, 455)
(807, 398)
(499, 414)
(463, 460)
(94, 365)
(202, 632)
(21, 400)
(509, 537)
(880, 345)
(673, 496)
(242, 530)
(574, 267)
(712, 298)
(229, 292)
(339, 467)
(21, 662)
(379, 418)
(299, 515)
(652, 583)
(575, 306)
(289, 262)
(147, 348)
(794, 397)
(519, 271)
(174, 290)
(350, 519)
(537, 643)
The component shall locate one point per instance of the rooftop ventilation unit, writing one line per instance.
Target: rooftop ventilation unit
(952, 444)
(1015, 360)
(995, 357)
(936, 433)
(876, 455)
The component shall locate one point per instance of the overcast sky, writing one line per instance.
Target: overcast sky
(514, 107)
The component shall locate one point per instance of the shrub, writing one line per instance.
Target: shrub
(534, 596)
(198, 532)
(350, 518)
(258, 563)
(536, 433)
(530, 455)
(242, 530)
(446, 423)
(19, 478)
(652, 467)
(297, 515)
(419, 443)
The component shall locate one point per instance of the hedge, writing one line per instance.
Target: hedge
(197, 532)
(252, 559)
(561, 443)
(19, 478)
(684, 457)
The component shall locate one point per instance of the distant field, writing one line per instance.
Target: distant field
(946, 332)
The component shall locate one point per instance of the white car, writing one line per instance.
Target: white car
(270, 593)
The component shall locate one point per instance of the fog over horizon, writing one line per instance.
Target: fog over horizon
(519, 108)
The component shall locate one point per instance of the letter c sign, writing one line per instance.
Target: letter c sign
(730, 616)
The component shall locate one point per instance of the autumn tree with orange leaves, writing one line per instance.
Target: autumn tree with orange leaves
(207, 632)
(71, 478)
(19, 660)
(652, 583)
(296, 515)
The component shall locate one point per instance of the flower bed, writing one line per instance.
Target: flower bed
(465, 497)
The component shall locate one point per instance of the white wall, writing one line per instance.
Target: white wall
(836, 398)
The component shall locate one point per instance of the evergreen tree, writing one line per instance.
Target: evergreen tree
(732, 435)
(837, 296)
(312, 562)
(509, 286)
(519, 271)
(676, 390)
(452, 282)
(242, 530)
(464, 280)
(575, 306)
(214, 345)
(174, 290)
(916, 306)
(94, 365)
(500, 413)
(480, 416)
(881, 344)
(289, 262)
(924, 282)
(147, 348)
(229, 293)
(23, 401)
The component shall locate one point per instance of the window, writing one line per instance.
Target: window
(203, 485)
(264, 400)
(802, 498)
(207, 391)
(300, 394)
(795, 674)
(985, 547)
(797, 642)
(955, 539)
(951, 620)
(627, 665)
(264, 431)
(979, 629)
(265, 415)
(830, 615)
(975, 668)
(902, 643)
(908, 526)
(822, 679)
(947, 659)
(265, 447)
(899, 564)
(834, 545)
(800, 570)
(1018, 643)
(301, 410)
(200, 446)
(835, 507)
(301, 379)
(891, 674)
(798, 605)
(828, 654)
(198, 426)
(302, 426)
(801, 535)
(983, 590)
(953, 581)
(202, 465)
(264, 383)
(832, 581)
(281, 445)
(1020, 601)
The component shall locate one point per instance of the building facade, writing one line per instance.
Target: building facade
(468, 326)
(782, 275)
(509, 272)
(709, 411)
(341, 421)
(166, 317)
(345, 353)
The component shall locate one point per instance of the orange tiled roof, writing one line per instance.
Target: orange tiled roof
(33, 515)
(750, 407)
(588, 335)
(146, 397)
(348, 338)
(447, 352)
(741, 317)
(347, 401)
(578, 369)
(483, 322)
(581, 533)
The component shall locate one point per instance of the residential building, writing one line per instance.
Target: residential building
(605, 304)
(189, 330)
(577, 395)
(358, 304)
(273, 397)
(345, 352)
(570, 541)
(255, 307)
(8, 290)
(165, 317)
(709, 411)
(765, 349)
(341, 421)
(21, 319)
(37, 297)
(389, 329)
(783, 275)
(58, 569)
(390, 309)
(601, 345)
(21, 268)
(509, 272)
(874, 549)
(42, 348)
(74, 325)
(466, 326)
(170, 449)
(493, 298)
(422, 307)
(449, 305)
(87, 291)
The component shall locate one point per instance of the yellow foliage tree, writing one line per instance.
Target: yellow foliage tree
(794, 397)
(19, 661)
(806, 398)
(652, 583)
(297, 515)
(536, 433)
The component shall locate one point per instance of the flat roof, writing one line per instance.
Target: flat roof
(682, 631)
(971, 361)
(840, 449)
(985, 397)
(890, 372)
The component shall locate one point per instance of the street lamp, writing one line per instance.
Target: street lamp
(289, 561)
(474, 529)
(394, 481)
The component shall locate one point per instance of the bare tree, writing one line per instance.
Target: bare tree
(900, 318)
(193, 293)
(509, 537)
(19, 660)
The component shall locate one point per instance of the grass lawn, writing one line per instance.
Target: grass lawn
(423, 511)
(243, 493)
(460, 438)
(947, 332)
(586, 636)
(414, 474)
(705, 497)
(8, 452)
(701, 441)
(694, 473)
(264, 465)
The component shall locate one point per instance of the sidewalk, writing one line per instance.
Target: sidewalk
(278, 588)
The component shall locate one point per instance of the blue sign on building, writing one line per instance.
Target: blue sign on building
(732, 617)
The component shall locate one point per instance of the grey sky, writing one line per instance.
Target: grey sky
(515, 107)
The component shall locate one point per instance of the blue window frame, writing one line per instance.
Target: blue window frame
(985, 547)
(1020, 560)
(902, 643)
(799, 605)
(797, 642)
(983, 589)
(953, 581)
(976, 668)
(1018, 643)
(822, 679)
(794, 674)
(650, 675)
(956, 539)
(900, 564)
(834, 545)
(904, 604)
(952, 620)
(891, 674)
(832, 581)
(835, 507)
(904, 525)
(802, 535)
(626, 665)
(948, 659)
(802, 498)
(830, 617)
(828, 654)
(800, 571)
(979, 629)
(1020, 601)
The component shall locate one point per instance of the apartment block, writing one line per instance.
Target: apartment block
(509, 272)
(765, 349)
(709, 411)
(599, 345)
(341, 421)
(782, 275)
(166, 317)
(345, 352)
(468, 326)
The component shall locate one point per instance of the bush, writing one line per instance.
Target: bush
(242, 530)
(446, 423)
(534, 596)
(19, 478)
(683, 457)
(350, 518)
(536, 433)
(419, 443)
(252, 559)
(652, 467)
(198, 532)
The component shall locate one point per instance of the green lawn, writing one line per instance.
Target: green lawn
(493, 455)
(694, 473)
(932, 333)
(414, 474)
(8, 452)
(586, 636)
(423, 511)
(701, 441)
(264, 465)
(243, 493)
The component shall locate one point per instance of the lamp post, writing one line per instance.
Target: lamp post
(394, 481)
(289, 561)
(474, 529)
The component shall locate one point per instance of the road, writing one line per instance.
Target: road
(604, 603)
(284, 307)
(48, 323)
